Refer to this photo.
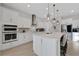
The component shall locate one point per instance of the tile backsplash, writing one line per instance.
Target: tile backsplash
(23, 30)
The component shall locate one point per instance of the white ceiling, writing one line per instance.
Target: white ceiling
(65, 9)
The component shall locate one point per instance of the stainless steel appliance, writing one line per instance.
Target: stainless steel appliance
(9, 33)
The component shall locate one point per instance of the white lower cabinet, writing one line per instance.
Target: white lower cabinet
(24, 38)
(44, 46)
(37, 45)
(49, 47)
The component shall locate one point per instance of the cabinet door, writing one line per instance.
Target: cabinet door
(9, 16)
(49, 47)
(44, 47)
(28, 36)
(37, 45)
(23, 22)
(14, 16)
(6, 15)
(20, 37)
(1, 12)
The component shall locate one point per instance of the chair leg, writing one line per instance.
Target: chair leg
(65, 48)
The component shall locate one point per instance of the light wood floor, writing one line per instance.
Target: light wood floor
(26, 50)
(22, 50)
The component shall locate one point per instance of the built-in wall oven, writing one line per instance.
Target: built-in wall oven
(9, 33)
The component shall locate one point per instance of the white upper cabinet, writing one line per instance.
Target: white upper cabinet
(0, 13)
(10, 16)
(24, 22)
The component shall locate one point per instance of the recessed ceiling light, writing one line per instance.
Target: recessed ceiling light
(46, 8)
(72, 11)
(28, 5)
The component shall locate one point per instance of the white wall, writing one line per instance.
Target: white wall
(0, 28)
(40, 22)
(73, 21)
(8, 16)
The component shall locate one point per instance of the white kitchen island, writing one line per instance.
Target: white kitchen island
(46, 44)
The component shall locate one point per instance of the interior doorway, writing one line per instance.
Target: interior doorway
(69, 31)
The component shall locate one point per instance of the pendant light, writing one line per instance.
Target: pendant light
(33, 19)
(54, 19)
(48, 15)
(57, 16)
(54, 14)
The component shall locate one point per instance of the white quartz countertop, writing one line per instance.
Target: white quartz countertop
(55, 35)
